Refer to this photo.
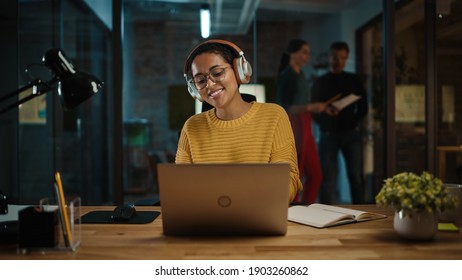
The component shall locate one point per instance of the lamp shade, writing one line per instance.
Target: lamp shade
(74, 87)
(77, 88)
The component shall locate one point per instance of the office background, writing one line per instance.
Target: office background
(408, 52)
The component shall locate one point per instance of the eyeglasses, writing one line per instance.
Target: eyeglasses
(216, 75)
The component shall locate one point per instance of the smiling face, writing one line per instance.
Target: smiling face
(222, 92)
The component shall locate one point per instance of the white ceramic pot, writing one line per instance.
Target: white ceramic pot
(416, 226)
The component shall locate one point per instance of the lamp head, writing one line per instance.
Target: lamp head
(56, 60)
(77, 88)
(74, 87)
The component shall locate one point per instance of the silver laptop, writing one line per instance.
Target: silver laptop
(224, 199)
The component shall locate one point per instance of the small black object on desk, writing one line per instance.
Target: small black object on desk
(38, 228)
(123, 213)
(8, 232)
(106, 217)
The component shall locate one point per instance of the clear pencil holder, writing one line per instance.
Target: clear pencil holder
(42, 228)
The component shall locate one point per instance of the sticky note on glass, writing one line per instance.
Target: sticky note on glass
(447, 227)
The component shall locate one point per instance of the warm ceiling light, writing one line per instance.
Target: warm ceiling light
(205, 21)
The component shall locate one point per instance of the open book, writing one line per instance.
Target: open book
(345, 101)
(321, 215)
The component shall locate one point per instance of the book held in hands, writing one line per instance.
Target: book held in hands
(322, 215)
(340, 104)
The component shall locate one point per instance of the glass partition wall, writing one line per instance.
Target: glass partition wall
(448, 45)
(74, 142)
(420, 63)
(408, 90)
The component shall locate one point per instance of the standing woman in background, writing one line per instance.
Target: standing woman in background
(293, 95)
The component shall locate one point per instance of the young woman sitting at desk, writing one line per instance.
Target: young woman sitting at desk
(234, 131)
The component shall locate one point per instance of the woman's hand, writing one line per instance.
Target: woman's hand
(316, 107)
(331, 110)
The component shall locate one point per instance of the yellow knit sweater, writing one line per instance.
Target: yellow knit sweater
(263, 134)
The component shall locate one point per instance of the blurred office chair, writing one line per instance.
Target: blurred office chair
(152, 159)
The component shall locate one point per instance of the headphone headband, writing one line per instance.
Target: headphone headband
(218, 41)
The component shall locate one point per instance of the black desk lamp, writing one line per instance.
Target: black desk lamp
(74, 87)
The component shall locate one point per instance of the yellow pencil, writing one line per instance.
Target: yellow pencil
(64, 214)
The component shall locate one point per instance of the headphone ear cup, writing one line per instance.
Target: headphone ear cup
(247, 70)
(193, 91)
(242, 70)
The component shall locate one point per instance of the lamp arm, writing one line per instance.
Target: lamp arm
(36, 88)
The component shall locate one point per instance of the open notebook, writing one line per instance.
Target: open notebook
(224, 199)
(322, 215)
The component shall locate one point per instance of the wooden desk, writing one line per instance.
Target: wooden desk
(442, 150)
(367, 240)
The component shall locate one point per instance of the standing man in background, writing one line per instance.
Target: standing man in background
(340, 131)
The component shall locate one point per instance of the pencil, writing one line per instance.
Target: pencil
(64, 214)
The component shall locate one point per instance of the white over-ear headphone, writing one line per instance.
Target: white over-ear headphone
(241, 67)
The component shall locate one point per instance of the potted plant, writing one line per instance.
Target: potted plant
(417, 200)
